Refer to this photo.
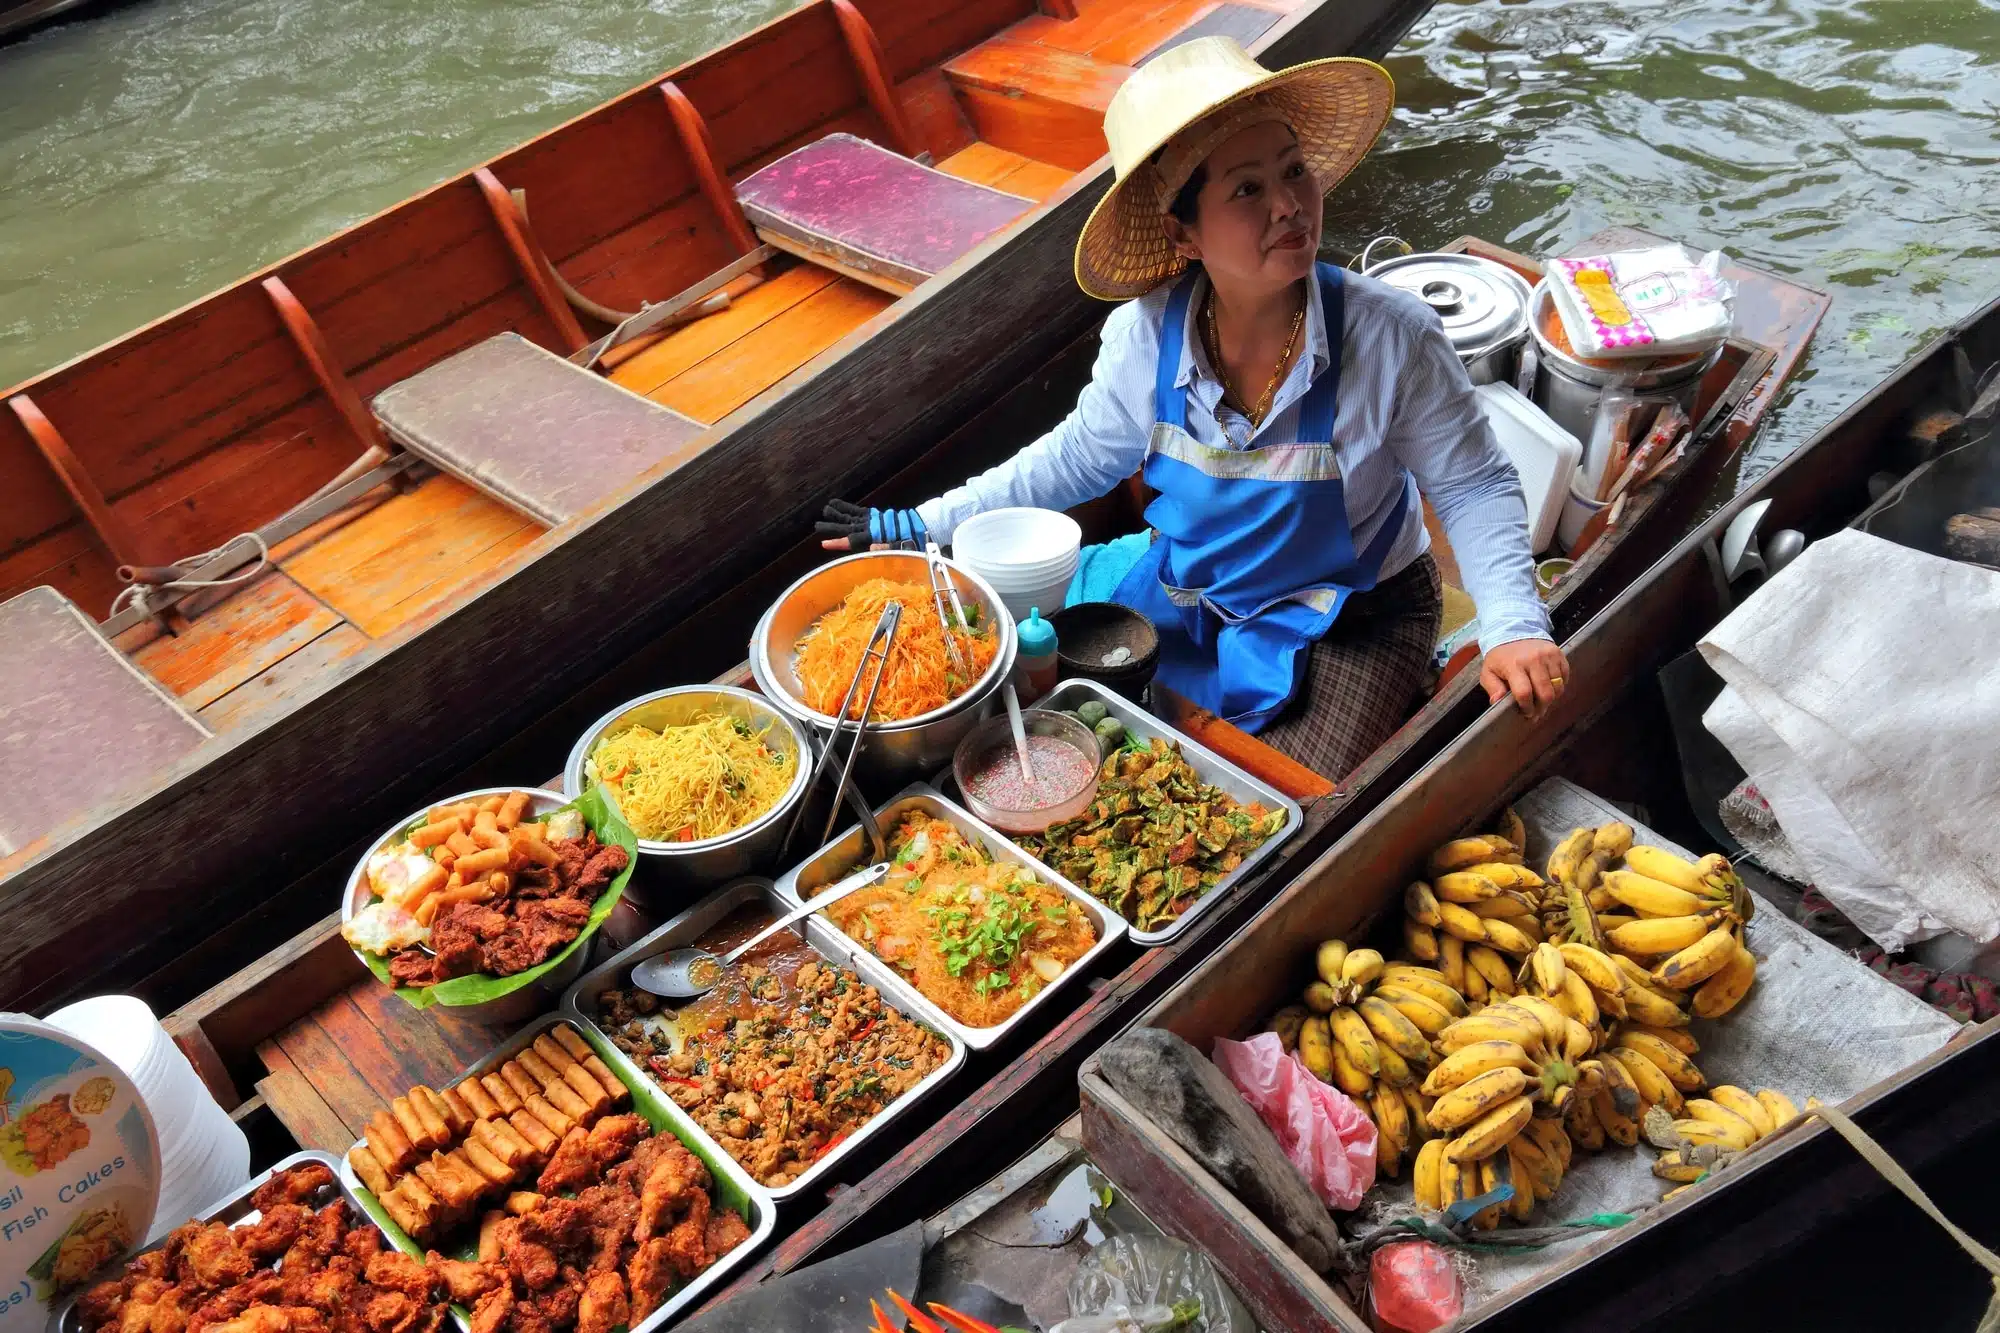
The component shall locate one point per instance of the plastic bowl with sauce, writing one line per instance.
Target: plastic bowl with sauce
(1062, 756)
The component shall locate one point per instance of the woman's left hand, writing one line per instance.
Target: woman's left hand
(1532, 670)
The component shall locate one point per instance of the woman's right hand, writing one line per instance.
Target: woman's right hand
(846, 526)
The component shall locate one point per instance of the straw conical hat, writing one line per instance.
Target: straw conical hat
(1336, 107)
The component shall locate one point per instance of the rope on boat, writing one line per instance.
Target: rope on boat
(135, 594)
(572, 295)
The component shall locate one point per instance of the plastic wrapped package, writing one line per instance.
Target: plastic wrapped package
(1651, 303)
(1413, 1287)
(1151, 1284)
(1324, 1134)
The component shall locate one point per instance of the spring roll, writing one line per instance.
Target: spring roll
(534, 851)
(520, 1080)
(523, 1145)
(369, 1168)
(456, 1113)
(435, 835)
(498, 883)
(445, 857)
(570, 1040)
(501, 1092)
(488, 1137)
(489, 1236)
(475, 1097)
(610, 1082)
(538, 1109)
(594, 1094)
(564, 1099)
(419, 888)
(493, 803)
(538, 1068)
(430, 1115)
(462, 1184)
(383, 1159)
(485, 1163)
(413, 1125)
(532, 1131)
(426, 911)
(456, 810)
(512, 809)
(386, 1135)
(552, 1053)
(480, 863)
(407, 1213)
(426, 1171)
(476, 892)
(522, 1202)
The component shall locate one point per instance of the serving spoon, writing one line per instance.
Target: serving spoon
(683, 974)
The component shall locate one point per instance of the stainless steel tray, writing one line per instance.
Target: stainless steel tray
(236, 1210)
(733, 1186)
(1210, 767)
(848, 851)
(579, 1003)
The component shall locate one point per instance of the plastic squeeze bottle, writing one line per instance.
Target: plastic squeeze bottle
(1039, 666)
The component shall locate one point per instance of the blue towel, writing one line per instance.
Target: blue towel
(1100, 569)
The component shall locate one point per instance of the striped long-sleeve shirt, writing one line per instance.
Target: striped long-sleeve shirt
(1404, 399)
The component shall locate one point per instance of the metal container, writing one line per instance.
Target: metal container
(733, 1187)
(1211, 768)
(1568, 387)
(528, 1000)
(235, 1210)
(848, 850)
(579, 1003)
(709, 861)
(1483, 304)
(896, 751)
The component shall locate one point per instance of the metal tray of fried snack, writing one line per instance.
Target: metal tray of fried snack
(236, 1210)
(849, 850)
(733, 1187)
(580, 1001)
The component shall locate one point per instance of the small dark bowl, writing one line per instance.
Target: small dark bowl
(1086, 632)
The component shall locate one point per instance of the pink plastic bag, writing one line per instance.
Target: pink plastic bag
(1326, 1136)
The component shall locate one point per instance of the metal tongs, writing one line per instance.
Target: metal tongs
(880, 641)
(944, 594)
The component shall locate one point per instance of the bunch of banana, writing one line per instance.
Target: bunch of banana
(1483, 896)
(1682, 919)
(1714, 1129)
(1581, 981)
(1571, 900)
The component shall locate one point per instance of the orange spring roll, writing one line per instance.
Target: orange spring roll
(456, 1113)
(520, 1080)
(535, 851)
(445, 857)
(552, 1053)
(369, 1168)
(498, 883)
(564, 1099)
(534, 829)
(433, 835)
(412, 1124)
(461, 844)
(480, 863)
(523, 1146)
(522, 1202)
(570, 1040)
(384, 1159)
(508, 1151)
(502, 1093)
(587, 1087)
(409, 1214)
(385, 1135)
(477, 892)
(495, 1171)
(486, 830)
(431, 1116)
(493, 803)
(531, 1132)
(475, 1097)
(426, 1171)
(610, 1082)
(426, 911)
(463, 1185)
(420, 888)
(456, 810)
(539, 1110)
(538, 1068)
(512, 809)
(489, 1236)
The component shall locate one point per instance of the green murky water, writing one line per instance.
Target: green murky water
(156, 151)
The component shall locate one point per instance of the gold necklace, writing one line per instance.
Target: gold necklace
(1214, 339)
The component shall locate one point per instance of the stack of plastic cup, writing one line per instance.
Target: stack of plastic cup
(1029, 556)
(203, 1154)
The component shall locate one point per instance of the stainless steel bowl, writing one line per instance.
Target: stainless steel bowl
(709, 861)
(897, 752)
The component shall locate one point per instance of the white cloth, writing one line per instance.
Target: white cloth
(1404, 400)
(1863, 700)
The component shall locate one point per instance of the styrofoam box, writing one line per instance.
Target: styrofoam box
(1542, 452)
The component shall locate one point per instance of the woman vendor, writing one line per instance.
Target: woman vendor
(1287, 414)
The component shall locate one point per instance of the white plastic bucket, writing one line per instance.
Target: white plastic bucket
(1019, 540)
(1577, 512)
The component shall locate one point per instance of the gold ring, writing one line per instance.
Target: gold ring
(1556, 681)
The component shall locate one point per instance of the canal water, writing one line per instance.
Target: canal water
(162, 148)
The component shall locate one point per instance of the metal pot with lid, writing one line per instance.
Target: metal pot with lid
(1483, 305)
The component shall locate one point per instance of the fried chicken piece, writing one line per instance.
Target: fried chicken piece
(494, 1309)
(558, 1304)
(649, 1277)
(572, 1167)
(168, 1314)
(464, 1282)
(612, 1212)
(392, 1270)
(273, 1233)
(602, 866)
(319, 1239)
(390, 1312)
(327, 1290)
(726, 1230)
(414, 967)
(100, 1304)
(616, 1135)
(256, 1319)
(687, 1243)
(361, 1244)
(532, 1264)
(219, 1309)
(211, 1259)
(298, 1185)
(604, 1306)
(671, 1184)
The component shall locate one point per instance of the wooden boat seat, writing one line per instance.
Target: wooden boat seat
(527, 427)
(870, 214)
(81, 725)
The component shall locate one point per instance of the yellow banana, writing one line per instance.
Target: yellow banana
(1715, 1113)
(1316, 1047)
(1610, 921)
(1462, 924)
(1507, 876)
(1464, 886)
(1548, 1135)
(1328, 960)
(1508, 825)
(1679, 1038)
(1522, 1206)
(1699, 961)
(1600, 899)
(1511, 905)
(1420, 904)
(1734, 1137)
(1392, 1127)
(1477, 994)
(1451, 960)
(1362, 966)
(1726, 989)
(1494, 1023)
(1287, 1022)
(1673, 1166)
(1580, 1120)
(1419, 1106)
(1744, 1103)
(1393, 1031)
(1474, 1098)
(1779, 1106)
(1425, 982)
(1577, 1000)
(1321, 998)
(1657, 863)
(1420, 940)
(1395, 1069)
(1612, 840)
(1649, 897)
(1351, 1034)
(1578, 1040)
(1546, 967)
(1655, 1088)
(1451, 1176)
(1533, 1167)
(1510, 938)
(1491, 964)
(1460, 853)
(1619, 1129)
(1596, 969)
(1425, 1176)
(1430, 1018)
(1554, 1022)
(1469, 1062)
(1488, 1133)
(1621, 1096)
(1569, 854)
(1657, 935)
(1349, 1077)
(1648, 1008)
(1680, 1070)
(1487, 1218)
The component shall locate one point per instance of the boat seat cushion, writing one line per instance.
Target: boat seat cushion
(82, 725)
(872, 211)
(532, 430)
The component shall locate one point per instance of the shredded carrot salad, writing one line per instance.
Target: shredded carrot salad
(920, 674)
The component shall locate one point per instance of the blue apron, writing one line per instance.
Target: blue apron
(1254, 557)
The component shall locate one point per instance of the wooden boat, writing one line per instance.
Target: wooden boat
(302, 1042)
(1610, 735)
(412, 626)
(17, 16)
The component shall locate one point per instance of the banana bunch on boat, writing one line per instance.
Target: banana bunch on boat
(1366, 1026)
(1480, 908)
(1713, 1130)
